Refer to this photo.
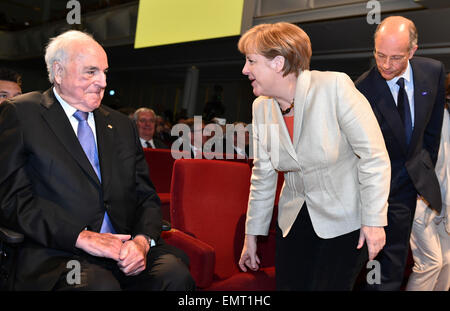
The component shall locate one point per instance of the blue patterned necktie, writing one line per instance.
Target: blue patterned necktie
(404, 109)
(87, 141)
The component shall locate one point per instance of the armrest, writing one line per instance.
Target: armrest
(9, 236)
(201, 255)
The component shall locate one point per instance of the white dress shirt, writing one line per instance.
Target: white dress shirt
(144, 145)
(69, 110)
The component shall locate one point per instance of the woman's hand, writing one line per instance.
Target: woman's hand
(248, 256)
(375, 238)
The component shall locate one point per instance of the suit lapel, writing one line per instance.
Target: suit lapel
(285, 138)
(57, 120)
(421, 95)
(105, 142)
(301, 91)
(388, 109)
(303, 83)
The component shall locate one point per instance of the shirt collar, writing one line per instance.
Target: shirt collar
(68, 109)
(143, 140)
(407, 75)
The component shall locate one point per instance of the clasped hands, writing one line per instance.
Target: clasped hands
(131, 255)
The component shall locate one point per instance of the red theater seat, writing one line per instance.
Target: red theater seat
(160, 163)
(208, 210)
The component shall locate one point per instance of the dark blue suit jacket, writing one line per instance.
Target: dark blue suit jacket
(414, 162)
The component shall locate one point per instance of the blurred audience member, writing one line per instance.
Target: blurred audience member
(190, 142)
(145, 120)
(162, 130)
(214, 108)
(128, 111)
(238, 141)
(10, 84)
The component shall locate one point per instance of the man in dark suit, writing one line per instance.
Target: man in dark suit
(74, 181)
(145, 121)
(407, 96)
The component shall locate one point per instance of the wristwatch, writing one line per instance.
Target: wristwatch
(149, 240)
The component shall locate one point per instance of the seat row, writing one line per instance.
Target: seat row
(207, 209)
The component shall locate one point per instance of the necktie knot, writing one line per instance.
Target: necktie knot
(401, 83)
(81, 115)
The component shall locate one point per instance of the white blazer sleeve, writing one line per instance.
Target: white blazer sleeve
(358, 122)
(263, 182)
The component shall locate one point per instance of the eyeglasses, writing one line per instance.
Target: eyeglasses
(394, 59)
(143, 121)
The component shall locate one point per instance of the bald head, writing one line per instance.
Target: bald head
(395, 45)
(398, 27)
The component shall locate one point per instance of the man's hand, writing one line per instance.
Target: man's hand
(375, 238)
(101, 244)
(133, 256)
(248, 255)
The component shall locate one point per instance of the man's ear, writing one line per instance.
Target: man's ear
(58, 72)
(412, 51)
(277, 63)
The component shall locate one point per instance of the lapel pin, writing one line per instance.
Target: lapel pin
(110, 126)
(424, 93)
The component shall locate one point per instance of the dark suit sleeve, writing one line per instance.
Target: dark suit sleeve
(159, 144)
(432, 134)
(20, 209)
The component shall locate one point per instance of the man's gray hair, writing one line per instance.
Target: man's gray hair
(142, 109)
(57, 49)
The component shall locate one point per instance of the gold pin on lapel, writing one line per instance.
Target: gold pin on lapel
(110, 126)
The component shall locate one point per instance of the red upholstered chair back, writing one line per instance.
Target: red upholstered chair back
(160, 163)
(209, 201)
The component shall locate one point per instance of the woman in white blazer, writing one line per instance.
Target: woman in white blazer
(321, 132)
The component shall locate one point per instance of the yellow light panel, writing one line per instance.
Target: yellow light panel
(162, 22)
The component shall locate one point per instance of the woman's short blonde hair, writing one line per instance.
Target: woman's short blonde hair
(285, 39)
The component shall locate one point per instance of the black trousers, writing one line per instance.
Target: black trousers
(393, 256)
(306, 262)
(167, 269)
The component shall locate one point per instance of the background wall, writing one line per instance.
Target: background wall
(156, 77)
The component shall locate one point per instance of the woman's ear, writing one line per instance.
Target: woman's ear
(278, 63)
